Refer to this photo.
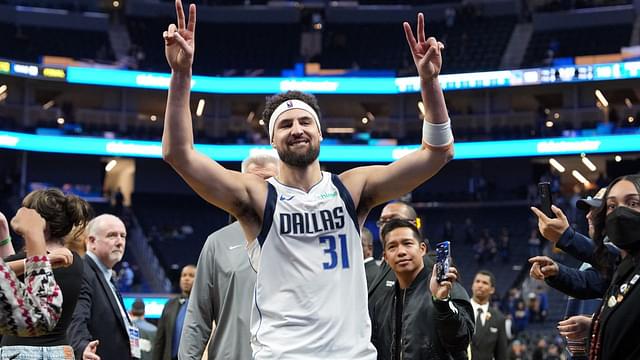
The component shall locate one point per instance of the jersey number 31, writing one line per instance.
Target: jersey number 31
(330, 248)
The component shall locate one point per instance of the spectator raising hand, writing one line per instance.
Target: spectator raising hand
(34, 307)
(550, 228)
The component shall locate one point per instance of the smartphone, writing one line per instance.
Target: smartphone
(443, 259)
(544, 192)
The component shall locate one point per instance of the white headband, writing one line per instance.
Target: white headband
(290, 105)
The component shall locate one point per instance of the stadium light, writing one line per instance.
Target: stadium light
(200, 108)
(576, 174)
(48, 105)
(365, 120)
(341, 130)
(618, 158)
(591, 166)
(421, 107)
(556, 165)
(110, 165)
(60, 121)
(251, 116)
(601, 98)
(153, 118)
(3, 88)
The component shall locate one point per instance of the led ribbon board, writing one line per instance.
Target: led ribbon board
(330, 153)
(364, 85)
(326, 85)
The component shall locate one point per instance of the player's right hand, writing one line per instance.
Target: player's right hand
(179, 41)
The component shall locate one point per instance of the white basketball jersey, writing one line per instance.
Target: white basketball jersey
(310, 299)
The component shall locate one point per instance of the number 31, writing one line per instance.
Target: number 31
(331, 250)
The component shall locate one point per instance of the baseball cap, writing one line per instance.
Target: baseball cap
(591, 202)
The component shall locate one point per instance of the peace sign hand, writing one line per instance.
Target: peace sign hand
(179, 42)
(427, 54)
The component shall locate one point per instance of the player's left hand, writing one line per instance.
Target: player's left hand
(441, 290)
(427, 54)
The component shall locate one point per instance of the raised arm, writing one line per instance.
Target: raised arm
(373, 185)
(243, 195)
(34, 307)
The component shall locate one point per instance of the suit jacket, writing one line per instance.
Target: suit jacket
(98, 317)
(166, 325)
(490, 340)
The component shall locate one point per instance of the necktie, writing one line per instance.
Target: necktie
(479, 318)
(120, 301)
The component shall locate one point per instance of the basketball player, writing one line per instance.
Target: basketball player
(310, 299)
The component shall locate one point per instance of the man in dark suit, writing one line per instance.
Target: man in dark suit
(370, 266)
(172, 318)
(490, 339)
(100, 325)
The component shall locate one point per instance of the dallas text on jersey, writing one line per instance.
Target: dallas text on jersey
(312, 223)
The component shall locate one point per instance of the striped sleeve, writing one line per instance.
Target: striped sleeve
(31, 308)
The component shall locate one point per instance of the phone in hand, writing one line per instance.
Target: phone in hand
(544, 192)
(443, 260)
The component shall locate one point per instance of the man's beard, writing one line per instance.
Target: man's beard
(303, 160)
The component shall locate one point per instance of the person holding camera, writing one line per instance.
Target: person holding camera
(421, 318)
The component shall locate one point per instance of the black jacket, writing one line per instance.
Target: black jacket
(166, 326)
(385, 278)
(619, 316)
(97, 317)
(430, 329)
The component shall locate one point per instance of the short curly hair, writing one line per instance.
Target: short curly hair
(274, 101)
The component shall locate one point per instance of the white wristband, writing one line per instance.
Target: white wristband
(437, 135)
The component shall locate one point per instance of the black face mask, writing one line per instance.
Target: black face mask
(623, 228)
